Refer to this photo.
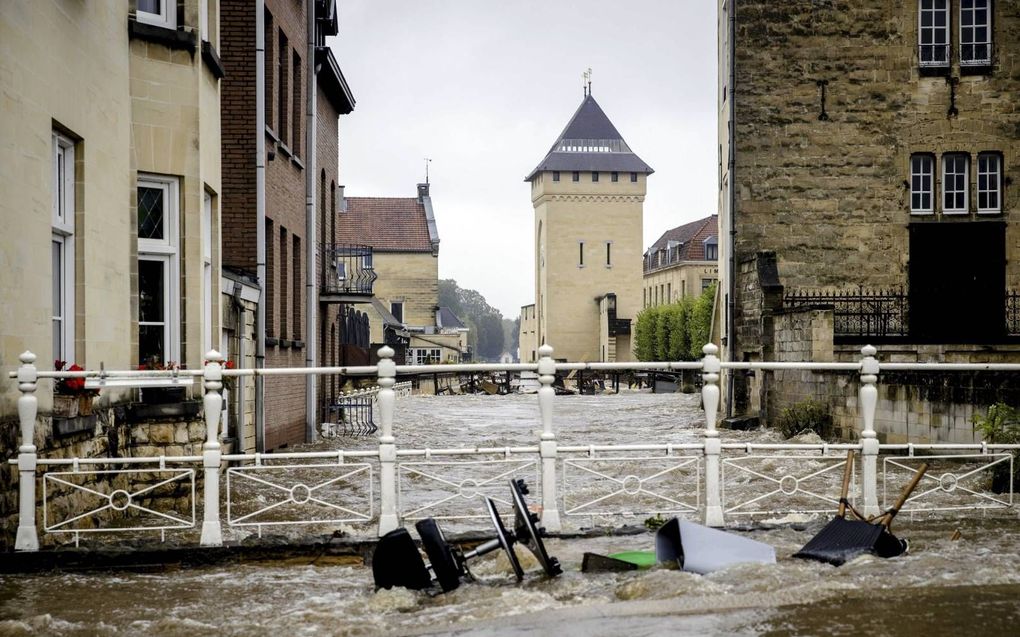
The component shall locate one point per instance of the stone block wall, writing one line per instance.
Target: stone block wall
(112, 436)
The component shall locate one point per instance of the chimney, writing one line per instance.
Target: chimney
(423, 191)
(341, 203)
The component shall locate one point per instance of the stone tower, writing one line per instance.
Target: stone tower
(588, 193)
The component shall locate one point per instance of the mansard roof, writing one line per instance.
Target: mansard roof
(590, 143)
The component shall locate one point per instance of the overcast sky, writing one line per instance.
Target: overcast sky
(484, 87)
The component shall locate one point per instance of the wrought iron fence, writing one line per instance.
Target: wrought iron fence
(858, 312)
(347, 269)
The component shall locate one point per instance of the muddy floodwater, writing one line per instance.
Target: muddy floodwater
(943, 586)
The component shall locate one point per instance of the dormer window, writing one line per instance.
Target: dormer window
(711, 249)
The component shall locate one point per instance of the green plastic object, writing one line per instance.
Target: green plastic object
(643, 559)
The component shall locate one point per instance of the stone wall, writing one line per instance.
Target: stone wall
(829, 195)
(913, 406)
(109, 432)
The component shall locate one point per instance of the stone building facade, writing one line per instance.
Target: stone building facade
(683, 262)
(868, 156)
(588, 194)
(111, 123)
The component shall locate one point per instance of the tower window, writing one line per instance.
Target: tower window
(556, 175)
(576, 176)
(580, 254)
(614, 177)
(633, 178)
(594, 176)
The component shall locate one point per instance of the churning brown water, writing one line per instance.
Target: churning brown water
(942, 587)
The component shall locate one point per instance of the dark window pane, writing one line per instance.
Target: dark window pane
(150, 291)
(150, 213)
(150, 344)
(150, 6)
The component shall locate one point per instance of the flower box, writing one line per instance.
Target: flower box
(65, 406)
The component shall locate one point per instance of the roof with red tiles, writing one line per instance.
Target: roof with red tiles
(691, 237)
(388, 224)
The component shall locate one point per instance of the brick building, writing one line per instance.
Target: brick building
(868, 161)
(286, 242)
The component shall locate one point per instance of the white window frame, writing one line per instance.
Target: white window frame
(166, 250)
(426, 355)
(921, 174)
(207, 278)
(995, 188)
(955, 210)
(166, 18)
(62, 222)
(928, 6)
(987, 24)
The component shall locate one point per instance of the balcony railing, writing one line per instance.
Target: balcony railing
(976, 54)
(859, 312)
(346, 270)
(933, 55)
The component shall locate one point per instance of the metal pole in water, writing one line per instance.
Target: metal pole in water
(28, 407)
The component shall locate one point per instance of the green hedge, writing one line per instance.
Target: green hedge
(674, 332)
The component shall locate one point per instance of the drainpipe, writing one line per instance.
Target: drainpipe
(311, 246)
(260, 222)
(732, 161)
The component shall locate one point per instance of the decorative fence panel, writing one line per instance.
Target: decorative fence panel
(954, 482)
(451, 490)
(782, 484)
(119, 500)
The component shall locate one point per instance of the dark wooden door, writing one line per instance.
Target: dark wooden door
(957, 288)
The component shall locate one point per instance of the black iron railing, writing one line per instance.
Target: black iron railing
(858, 312)
(933, 55)
(1013, 313)
(347, 269)
(976, 54)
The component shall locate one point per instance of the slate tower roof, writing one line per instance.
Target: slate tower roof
(591, 143)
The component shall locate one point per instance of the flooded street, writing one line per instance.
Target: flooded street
(941, 587)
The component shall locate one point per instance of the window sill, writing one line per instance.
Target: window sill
(976, 68)
(212, 60)
(955, 213)
(171, 38)
(988, 213)
(297, 162)
(284, 149)
(934, 71)
(272, 135)
(922, 213)
(271, 341)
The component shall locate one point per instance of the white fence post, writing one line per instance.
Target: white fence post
(547, 445)
(212, 402)
(387, 370)
(28, 407)
(869, 439)
(713, 446)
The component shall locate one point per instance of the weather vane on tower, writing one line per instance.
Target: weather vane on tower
(586, 84)
(428, 160)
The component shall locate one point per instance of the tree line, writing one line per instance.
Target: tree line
(675, 332)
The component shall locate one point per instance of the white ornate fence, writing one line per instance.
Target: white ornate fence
(595, 481)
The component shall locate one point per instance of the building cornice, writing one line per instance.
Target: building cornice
(591, 198)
